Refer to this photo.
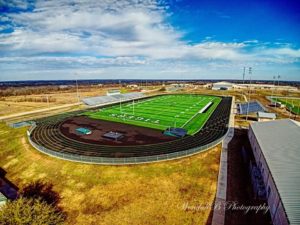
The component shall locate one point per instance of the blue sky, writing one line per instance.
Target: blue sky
(150, 39)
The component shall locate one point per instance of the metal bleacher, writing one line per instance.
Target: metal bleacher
(250, 107)
(100, 100)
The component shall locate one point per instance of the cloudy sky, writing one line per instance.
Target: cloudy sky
(149, 39)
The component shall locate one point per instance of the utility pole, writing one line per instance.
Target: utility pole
(273, 89)
(77, 91)
(250, 74)
(278, 77)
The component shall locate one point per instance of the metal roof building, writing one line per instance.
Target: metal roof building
(100, 100)
(250, 107)
(222, 86)
(276, 148)
(263, 116)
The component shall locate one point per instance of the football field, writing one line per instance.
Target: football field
(162, 112)
(292, 103)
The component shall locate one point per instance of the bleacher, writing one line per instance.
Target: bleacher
(100, 100)
(250, 107)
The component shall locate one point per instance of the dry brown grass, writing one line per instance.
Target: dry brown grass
(17, 104)
(138, 194)
(10, 107)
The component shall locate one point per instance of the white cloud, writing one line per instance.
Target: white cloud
(119, 33)
(83, 60)
(20, 4)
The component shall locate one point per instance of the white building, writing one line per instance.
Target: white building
(222, 86)
(276, 148)
(132, 86)
(264, 116)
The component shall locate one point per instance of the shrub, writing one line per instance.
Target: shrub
(30, 211)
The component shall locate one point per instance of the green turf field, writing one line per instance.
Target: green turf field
(161, 112)
(293, 104)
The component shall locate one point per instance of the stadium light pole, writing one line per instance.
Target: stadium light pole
(244, 73)
(278, 87)
(273, 89)
(250, 74)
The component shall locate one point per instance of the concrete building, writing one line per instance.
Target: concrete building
(276, 148)
(263, 116)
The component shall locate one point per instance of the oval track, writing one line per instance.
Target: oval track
(47, 134)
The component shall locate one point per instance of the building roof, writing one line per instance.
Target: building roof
(83, 130)
(250, 107)
(113, 135)
(223, 83)
(93, 101)
(279, 141)
(266, 115)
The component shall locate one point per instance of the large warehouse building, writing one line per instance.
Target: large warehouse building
(276, 148)
(222, 86)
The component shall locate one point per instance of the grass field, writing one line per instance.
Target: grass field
(20, 103)
(147, 194)
(162, 112)
(293, 104)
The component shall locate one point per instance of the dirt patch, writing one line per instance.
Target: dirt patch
(133, 135)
